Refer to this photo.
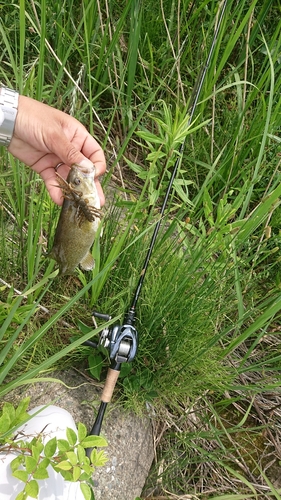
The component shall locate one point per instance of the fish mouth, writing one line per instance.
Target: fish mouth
(87, 171)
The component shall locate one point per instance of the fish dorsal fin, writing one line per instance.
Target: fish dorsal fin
(87, 262)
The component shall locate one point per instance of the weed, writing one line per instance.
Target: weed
(209, 312)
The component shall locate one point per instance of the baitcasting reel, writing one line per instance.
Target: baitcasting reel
(121, 341)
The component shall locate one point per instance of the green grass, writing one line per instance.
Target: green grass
(209, 311)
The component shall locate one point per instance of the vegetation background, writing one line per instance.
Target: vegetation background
(208, 365)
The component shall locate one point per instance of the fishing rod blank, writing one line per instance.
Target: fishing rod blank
(122, 340)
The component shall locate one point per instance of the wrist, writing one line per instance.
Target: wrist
(8, 113)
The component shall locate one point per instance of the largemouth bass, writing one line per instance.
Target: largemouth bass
(78, 222)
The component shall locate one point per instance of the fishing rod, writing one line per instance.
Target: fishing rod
(121, 341)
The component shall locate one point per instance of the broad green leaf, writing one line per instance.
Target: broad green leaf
(82, 431)
(91, 441)
(153, 197)
(41, 473)
(21, 474)
(71, 436)
(125, 369)
(64, 465)
(86, 490)
(30, 464)
(21, 496)
(50, 447)
(72, 457)
(9, 409)
(76, 473)
(5, 423)
(151, 395)
(32, 488)
(95, 365)
(84, 328)
(98, 458)
(87, 469)
(156, 155)
(66, 474)
(84, 476)
(63, 445)
(16, 462)
(44, 463)
(149, 137)
(136, 168)
(81, 453)
(22, 407)
(37, 449)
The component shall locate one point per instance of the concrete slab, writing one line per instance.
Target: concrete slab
(130, 449)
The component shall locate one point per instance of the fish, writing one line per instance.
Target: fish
(79, 220)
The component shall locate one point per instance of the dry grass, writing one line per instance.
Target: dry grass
(226, 447)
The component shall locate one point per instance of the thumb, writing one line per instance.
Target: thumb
(67, 152)
(69, 155)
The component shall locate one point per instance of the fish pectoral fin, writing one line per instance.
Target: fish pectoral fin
(87, 263)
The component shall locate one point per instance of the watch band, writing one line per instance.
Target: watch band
(8, 112)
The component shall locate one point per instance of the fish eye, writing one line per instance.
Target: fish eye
(77, 181)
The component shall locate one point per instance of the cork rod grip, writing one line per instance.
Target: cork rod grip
(111, 379)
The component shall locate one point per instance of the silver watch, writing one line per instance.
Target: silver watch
(8, 111)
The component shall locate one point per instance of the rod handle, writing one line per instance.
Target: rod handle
(110, 382)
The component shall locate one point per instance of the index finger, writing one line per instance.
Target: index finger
(92, 150)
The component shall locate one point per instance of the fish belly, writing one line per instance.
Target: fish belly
(72, 242)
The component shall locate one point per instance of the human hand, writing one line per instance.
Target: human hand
(44, 136)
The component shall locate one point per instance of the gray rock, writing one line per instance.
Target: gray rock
(130, 457)
(130, 443)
